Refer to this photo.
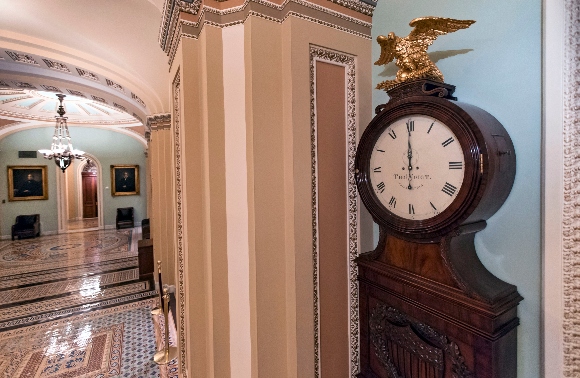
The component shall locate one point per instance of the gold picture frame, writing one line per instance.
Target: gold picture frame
(124, 180)
(27, 182)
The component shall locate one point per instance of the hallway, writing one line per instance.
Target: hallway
(72, 305)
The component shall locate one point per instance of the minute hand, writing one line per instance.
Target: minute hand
(410, 157)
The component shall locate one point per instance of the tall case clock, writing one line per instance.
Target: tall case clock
(431, 171)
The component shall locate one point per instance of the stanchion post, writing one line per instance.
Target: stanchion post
(168, 353)
(159, 310)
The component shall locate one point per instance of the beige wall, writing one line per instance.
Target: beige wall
(271, 267)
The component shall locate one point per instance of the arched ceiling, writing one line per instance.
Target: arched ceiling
(105, 51)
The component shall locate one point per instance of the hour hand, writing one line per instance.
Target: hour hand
(410, 157)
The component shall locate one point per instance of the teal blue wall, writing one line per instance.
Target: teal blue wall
(501, 74)
(110, 148)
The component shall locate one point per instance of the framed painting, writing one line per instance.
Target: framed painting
(27, 182)
(124, 180)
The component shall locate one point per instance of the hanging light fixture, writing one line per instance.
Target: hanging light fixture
(61, 148)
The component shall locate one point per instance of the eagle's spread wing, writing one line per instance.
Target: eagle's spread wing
(387, 49)
(427, 29)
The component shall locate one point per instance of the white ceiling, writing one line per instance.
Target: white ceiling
(114, 39)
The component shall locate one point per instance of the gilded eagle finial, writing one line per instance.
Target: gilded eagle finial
(411, 51)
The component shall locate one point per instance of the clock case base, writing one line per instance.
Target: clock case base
(429, 308)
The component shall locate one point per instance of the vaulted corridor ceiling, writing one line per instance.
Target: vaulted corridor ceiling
(106, 52)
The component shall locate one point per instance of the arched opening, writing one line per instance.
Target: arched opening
(81, 206)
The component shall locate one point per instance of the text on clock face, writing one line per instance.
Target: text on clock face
(417, 167)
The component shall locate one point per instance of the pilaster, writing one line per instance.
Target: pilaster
(162, 193)
(243, 147)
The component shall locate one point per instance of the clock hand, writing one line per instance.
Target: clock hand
(410, 157)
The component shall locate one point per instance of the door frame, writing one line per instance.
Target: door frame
(92, 182)
(79, 194)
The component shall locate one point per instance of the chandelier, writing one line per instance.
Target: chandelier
(61, 148)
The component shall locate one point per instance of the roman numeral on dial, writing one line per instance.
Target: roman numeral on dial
(411, 209)
(449, 189)
(377, 169)
(430, 127)
(381, 186)
(392, 134)
(393, 202)
(433, 206)
(410, 126)
(448, 142)
(455, 165)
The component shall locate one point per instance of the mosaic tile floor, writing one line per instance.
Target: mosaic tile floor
(72, 305)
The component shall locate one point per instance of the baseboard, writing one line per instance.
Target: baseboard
(42, 233)
(47, 233)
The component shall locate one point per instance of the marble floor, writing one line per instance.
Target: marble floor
(72, 305)
(83, 224)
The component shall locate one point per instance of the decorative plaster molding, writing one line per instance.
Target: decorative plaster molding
(29, 106)
(179, 210)
(158, 121)
(50, 88)
(173, 27)
(21, 84)
(136, 98)
(99, 108)
(356, 5)
(4, 84)
(76, 93)
(87, 75)
(318, 53)
(50, 119)
(99, 99)
(120, 107)
(23, 97)
(114, 85)
(22, 58)
(571, 216)
(56, 65)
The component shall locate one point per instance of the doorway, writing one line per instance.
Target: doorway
(81, 207)
(89, 189)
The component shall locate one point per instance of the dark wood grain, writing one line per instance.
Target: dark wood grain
(423, 291)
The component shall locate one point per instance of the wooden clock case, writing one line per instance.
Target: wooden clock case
(428, 306)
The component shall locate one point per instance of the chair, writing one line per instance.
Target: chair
(125, 217)
(26, 226)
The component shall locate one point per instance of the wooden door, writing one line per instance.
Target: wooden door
(89, 180)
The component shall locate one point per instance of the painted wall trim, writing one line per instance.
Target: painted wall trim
(318, 53)
(237, 212)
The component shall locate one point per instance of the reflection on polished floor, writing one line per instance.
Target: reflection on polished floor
(72, 305)
(83, 224)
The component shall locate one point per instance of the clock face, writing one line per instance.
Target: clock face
(417, 167)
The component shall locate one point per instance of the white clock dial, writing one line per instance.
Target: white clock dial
(417, 167)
